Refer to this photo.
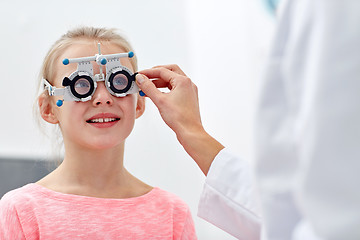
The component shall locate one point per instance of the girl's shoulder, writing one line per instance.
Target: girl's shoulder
(183, 224)
(19, 194)
(10, 212)
(168, 200)
(17, 201)
(167, 196)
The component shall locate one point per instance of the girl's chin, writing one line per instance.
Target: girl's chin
(97, 142)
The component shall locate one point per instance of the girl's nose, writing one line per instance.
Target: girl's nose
(102, 95)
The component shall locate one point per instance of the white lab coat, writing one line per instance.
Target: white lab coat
(307, 134)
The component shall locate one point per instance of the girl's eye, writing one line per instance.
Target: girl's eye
(120, 82)
(82, 86)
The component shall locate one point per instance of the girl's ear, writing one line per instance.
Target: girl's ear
(140, 106)
(46, 109)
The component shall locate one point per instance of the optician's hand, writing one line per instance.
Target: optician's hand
(179, 109)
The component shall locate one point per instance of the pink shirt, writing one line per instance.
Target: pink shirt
(34, 212)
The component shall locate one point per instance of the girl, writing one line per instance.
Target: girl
(91, 195)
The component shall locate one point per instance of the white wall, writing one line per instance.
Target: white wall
(220, 44)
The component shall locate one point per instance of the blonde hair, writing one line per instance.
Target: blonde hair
(48, 69)
(98, 34)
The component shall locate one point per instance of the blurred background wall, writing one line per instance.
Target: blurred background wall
(221, 45)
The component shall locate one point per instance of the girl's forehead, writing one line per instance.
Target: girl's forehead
(88, 48)
(83, 48)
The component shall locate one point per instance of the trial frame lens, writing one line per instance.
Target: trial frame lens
(120, 81)
(82, 86)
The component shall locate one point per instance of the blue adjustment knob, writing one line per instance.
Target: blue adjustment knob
(130, 54)
(103, 61)
(59, 103)
(142, 93)
(66, 61)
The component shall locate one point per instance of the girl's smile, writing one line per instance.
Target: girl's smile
(103, 120)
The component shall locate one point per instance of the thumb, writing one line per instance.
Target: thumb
(148, 87)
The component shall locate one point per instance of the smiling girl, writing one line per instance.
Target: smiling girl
(91, 195)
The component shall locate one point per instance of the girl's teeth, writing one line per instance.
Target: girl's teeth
(101, 120)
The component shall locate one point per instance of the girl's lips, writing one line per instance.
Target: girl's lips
(103, 120)
(104, 124)
(103, 116)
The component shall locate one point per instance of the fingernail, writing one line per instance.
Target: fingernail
(140, 78)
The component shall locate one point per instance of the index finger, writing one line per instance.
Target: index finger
(161, 73)
(172, 67)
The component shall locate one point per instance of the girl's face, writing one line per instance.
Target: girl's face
(77, 119)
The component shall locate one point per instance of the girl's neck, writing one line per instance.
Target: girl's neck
(94, 164)
(97, 173)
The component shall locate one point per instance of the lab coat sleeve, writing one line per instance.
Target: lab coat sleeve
(228, 199)
(324, 54)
